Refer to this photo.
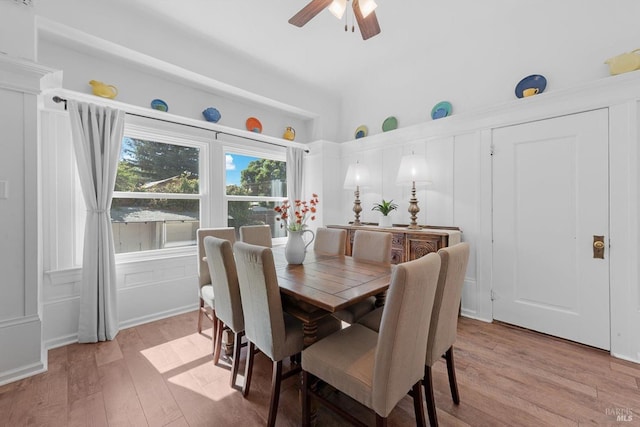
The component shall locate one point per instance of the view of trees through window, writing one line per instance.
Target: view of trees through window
(254, 186)
(156, 201)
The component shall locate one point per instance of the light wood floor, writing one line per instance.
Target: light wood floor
(161, 374)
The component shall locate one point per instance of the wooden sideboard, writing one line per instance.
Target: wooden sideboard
(407, 245)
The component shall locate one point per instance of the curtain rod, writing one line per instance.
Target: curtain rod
(58, 100)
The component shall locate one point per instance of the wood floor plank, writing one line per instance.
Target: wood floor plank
(157, 402)
(84, 379)
(162, 373)
(88, 412)
(107, 352)
(121, 402)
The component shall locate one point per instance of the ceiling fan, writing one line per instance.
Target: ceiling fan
(363, 10)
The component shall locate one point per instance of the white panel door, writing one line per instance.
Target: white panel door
(550, 197)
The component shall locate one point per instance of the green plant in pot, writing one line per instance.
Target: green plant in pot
(385, 208)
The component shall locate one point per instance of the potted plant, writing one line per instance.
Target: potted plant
(385, 208)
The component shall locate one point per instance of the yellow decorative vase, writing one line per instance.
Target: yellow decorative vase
(289, 134)
(103, 90)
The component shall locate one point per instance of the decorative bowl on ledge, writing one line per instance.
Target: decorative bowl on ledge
(212, 114)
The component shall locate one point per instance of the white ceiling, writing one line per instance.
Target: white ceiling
(321, 52)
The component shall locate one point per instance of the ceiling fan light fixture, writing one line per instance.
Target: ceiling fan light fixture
(337, 8)
(366, 7)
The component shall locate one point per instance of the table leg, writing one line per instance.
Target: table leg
(310, 335)
(381, 298)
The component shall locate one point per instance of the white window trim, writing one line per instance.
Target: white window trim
(279, 155)
(141, 128)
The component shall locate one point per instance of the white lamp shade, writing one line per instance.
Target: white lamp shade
(413, 168)
(337, 7)
(366, 7)
(357, 175)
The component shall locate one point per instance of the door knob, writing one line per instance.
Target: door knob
(598, 247)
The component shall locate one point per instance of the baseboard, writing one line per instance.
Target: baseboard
(22, 372)
(61, 341)
(157, 316)
(473, 315)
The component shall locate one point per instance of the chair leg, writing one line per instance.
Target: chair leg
(451, 369)
(248, 368)
(306, 400)
(218, 328)
(417, 405)
(428, 395)
(235, 362)
(381, 421)
(200, 314)
(276, 379)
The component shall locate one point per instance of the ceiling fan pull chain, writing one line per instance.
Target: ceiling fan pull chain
(346, 17)
(353, 25)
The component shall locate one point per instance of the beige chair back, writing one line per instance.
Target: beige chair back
(372, 246)
(224, 279)
(444, 319)
(263, 316)
(256, 235)
(330, 240)
(227, 233)
(402, 339)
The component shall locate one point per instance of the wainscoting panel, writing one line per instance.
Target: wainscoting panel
(147, 290)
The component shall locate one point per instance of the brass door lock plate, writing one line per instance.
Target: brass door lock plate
(598, 247)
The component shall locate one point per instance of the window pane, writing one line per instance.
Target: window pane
(253, 176)
(147, 224)
(157, 167)
(254, 213)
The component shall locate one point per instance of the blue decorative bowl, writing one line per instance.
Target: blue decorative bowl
(211, 115)
(159, 104)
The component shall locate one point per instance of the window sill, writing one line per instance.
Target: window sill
(155, 255)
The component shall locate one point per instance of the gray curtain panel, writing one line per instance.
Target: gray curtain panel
(295, 173)
(97, 137)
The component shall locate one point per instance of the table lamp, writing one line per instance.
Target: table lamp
(413, 169)
(357, 175)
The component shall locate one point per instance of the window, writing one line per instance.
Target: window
(255, 184)
(158, 192)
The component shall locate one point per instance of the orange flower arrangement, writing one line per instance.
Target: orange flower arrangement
(295, 216)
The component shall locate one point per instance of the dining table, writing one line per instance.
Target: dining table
(326, 283)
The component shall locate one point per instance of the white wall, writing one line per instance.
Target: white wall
(158, 40)
(17, 32)
(138, 86)
(458, 152)
(474, 53)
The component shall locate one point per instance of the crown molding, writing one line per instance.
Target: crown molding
(22, 75)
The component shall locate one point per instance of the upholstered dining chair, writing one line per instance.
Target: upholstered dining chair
(377, 369)
(267, 327)
(330, 240)
(228, 306)
(444, 321)
(371, 246)
(256, 235)
(205, 291)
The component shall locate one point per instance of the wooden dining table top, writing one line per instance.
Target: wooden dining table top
(329, 283)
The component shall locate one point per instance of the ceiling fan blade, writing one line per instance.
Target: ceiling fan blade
(369, 26)
(308, 12)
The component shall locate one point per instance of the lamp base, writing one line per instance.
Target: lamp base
(413, 210)
(356, 207)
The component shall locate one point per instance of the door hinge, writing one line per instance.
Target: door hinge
(493, 295)
(492, 150)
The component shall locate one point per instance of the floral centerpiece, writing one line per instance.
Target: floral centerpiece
(295, 216)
